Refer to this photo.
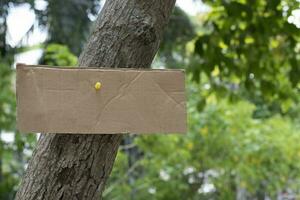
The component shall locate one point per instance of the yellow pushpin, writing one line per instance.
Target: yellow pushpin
(97, 85)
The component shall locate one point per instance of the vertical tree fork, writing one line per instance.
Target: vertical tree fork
(127, 33)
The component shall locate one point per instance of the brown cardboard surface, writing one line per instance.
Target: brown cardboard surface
(64, 100)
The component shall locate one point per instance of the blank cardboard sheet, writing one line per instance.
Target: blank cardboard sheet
(100, 100)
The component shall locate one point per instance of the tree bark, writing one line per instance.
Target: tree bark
(127, 33)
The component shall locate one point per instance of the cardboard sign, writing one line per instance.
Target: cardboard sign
(100, 100)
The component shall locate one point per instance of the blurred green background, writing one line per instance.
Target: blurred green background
(242, 62)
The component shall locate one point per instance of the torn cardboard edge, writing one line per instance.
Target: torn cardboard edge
(128, 100)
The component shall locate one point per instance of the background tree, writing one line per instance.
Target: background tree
(172, 52)
(69, 26)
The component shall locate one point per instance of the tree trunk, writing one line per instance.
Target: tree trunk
(127, 33)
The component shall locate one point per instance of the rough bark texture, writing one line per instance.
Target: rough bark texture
(127, 33)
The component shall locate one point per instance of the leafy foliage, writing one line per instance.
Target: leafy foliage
(225, 152)
(7, 100)
(58, 55)
(7, 119)
(250, 50)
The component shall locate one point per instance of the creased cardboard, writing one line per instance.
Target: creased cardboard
(65, 100)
